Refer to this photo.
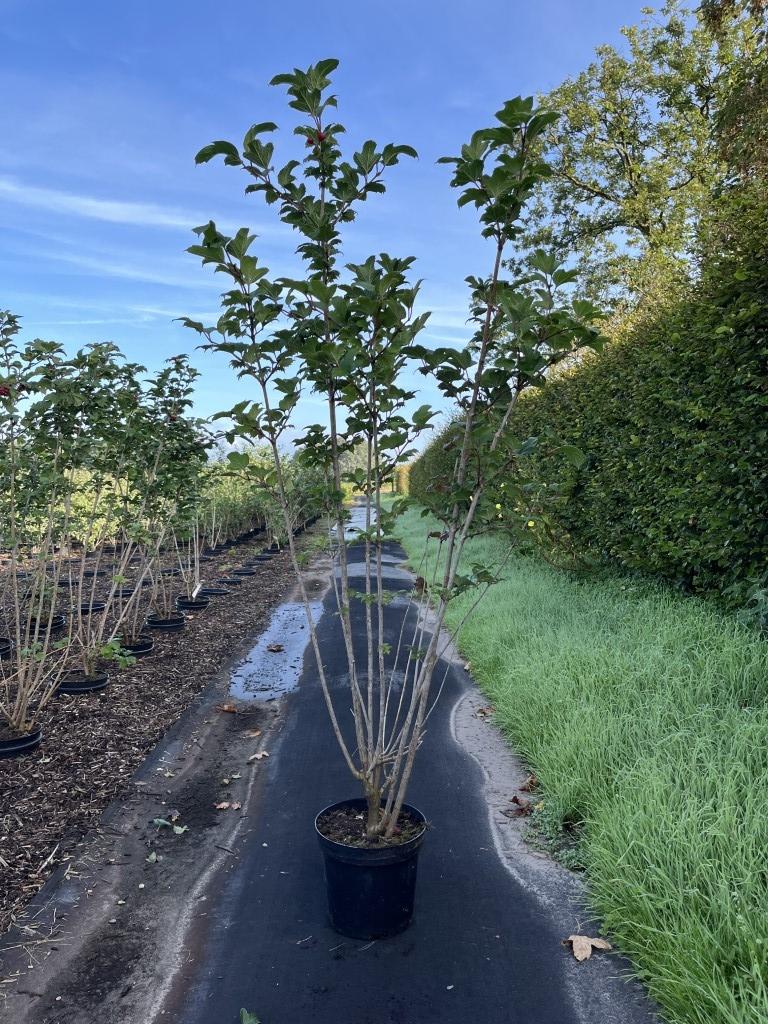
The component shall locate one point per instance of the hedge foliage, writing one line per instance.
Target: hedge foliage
(673, 419)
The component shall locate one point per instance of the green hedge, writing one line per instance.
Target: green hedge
(673, 420)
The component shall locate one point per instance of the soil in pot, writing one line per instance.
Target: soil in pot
(171, 623)
(80, 682)
(14, 744)
(138, 647)
(371, 888)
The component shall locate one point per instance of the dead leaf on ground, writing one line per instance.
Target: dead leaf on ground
(223, 806)
(252, 733)
(485, 712)
(230, 708)
(520, 807)
(275, 648)
(583, 945)
(258, 756)
(530, 783)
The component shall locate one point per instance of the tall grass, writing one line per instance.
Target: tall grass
(645, 717)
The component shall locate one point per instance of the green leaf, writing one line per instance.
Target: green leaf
(220, 148)
(574, 455)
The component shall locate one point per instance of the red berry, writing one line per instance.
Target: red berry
(321, 136)
(4, 391)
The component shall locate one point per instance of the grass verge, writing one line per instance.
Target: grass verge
(645, 717)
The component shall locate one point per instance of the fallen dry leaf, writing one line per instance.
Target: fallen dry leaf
(223, 806)
(252, 733)
(258, 757)
(530, 783)
(521, 805)
(583, 945)
(275, 648)
(236, 805)
(231, 708)
(485, 712)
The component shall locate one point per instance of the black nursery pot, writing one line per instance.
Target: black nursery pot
(91, 607)
(18, 745)
(371, 892)
(58, 622)
(172, 624)
(140, 647)
(5, 646)
(79, 682)
(229, 581)
(243, 572)
(189, 604)
(214, 592)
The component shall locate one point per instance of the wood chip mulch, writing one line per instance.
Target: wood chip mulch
(94, 743)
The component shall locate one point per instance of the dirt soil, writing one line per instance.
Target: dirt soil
(93, 743)
(346, 825)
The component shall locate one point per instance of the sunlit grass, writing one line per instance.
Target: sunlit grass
(645, 718)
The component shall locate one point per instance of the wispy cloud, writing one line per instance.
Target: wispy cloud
(149, 270)
(112, 210)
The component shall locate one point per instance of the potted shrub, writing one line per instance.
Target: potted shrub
(30, 490)
(349, 334)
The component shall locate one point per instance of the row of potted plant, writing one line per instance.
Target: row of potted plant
(111, 506)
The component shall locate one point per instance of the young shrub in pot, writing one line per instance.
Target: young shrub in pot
(349, 335)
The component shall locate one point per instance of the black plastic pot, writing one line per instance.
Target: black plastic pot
(5, 646)
(214, 592)
(23, 744)
(244, 572)
(58, 622)
(140, 647)
(192, 604)
(172, 624)
(79, 682)
(370, 892)
(89, 574)
(230, 581)
(265, 556)
(170, 572)
(89, 607)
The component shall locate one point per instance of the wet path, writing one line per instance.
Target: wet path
(481, 947)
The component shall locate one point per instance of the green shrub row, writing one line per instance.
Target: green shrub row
(673, 420)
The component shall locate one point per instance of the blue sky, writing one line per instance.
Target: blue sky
(105, 105)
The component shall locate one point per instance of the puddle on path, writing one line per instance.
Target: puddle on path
(267, 675)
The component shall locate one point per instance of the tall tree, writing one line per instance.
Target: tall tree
(634, 164)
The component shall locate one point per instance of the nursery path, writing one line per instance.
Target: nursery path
(486, 943)
(232, 913)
